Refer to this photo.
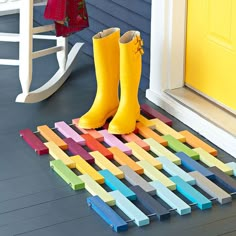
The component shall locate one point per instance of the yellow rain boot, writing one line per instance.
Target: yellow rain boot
(130, 72)
(106, 60)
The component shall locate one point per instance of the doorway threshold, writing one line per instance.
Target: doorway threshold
(205, 108)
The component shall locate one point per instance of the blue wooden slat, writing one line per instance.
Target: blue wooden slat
(107, 214)
(193, 165)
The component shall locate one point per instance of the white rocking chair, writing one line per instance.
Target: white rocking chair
(26, 54)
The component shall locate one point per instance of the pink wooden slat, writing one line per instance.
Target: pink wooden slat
(68, 132)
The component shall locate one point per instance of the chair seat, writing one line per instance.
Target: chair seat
(9, 5)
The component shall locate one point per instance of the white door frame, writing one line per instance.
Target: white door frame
(168, 32)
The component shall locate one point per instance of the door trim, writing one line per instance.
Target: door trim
(167, 65)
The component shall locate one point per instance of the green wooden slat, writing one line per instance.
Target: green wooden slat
(177, 146)
(67, 174)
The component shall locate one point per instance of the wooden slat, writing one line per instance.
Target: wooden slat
(212, 189)
(177, 146)
(50, 136)
(159, 150)
(196, 142)
(148, 133)
(34, 142)
(210, 161)
(170, 198)
(104, 163)
(148, 123)
(224, 180)
(150, 204)
(93, 132)
(130, 209)
(134, 138)
(95, 189)
(107, 214)
(232, 165)
(133, 178)
(155, 174)
(165, 129)
(68, 132)
(174, 170)
(192, 165)
(113, 141)
(191, 193)
(95, 145)
(123, 159)
(67, 174)
(59, 154)
(76, 149)
(84, 168)
(152, 113)
(115, 184)
(141, 154)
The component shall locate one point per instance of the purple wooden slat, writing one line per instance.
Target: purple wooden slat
(76, 149)
(152, 113)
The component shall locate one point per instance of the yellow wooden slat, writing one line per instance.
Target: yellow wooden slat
(141, 154)
(166, 129)
(85, 168)
(155, 174)
(210, 161)
(159, 150)
(104, 163)
(95, 189)
(58, 154)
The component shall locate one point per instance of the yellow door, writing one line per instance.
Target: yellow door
(211, 50)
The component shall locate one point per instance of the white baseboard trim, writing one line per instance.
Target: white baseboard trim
(213, 133)
(4, 13)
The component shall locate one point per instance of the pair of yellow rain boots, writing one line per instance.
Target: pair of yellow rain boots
(117, 59)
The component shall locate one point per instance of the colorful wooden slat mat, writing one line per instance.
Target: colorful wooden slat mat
(157, 169)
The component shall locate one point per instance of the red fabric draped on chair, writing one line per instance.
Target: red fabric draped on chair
(70, 16)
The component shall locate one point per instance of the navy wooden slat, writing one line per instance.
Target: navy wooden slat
(150, 204)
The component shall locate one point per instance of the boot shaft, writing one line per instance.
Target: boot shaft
(130, 62)
(107, 58)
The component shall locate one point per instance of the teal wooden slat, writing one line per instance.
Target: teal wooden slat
(115, 184)
(191, 193)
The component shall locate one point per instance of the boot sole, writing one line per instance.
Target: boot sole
(99, 125)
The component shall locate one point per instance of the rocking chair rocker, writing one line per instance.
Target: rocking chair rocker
(26, 54)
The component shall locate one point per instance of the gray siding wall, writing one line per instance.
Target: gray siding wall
(125, 14)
